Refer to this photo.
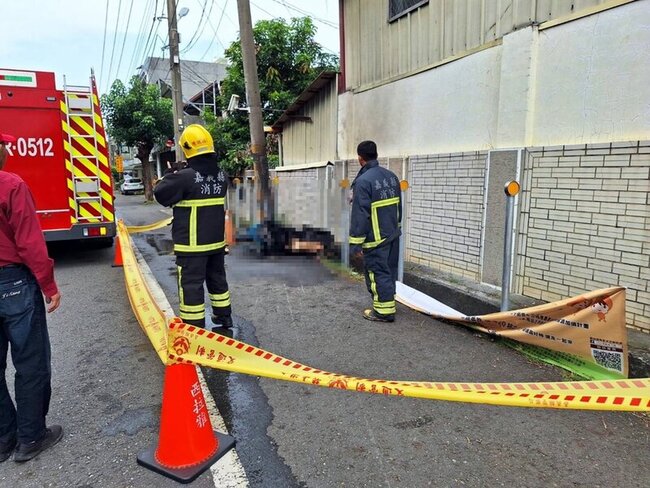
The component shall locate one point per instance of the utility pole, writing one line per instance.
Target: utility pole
(255, 119)
(175, 65)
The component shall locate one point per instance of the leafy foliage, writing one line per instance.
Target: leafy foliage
(288, 60)
(138, 117)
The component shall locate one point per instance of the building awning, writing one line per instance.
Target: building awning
(293, 112)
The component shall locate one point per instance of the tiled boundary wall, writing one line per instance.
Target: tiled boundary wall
(585, 224)
(446, 212)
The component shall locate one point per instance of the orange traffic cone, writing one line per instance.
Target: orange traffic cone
(187, 445)
(117, 260)
(230, 231)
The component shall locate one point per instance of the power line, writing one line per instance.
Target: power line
(326, 22)
(201, 25)
(149, 37)
(126, 31)
(216, 36)
(101, 71)
(141, 34)
(260, 8)
(117, 21)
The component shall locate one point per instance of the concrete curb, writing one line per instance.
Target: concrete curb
(473, 298)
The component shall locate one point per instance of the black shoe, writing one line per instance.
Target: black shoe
(7, 449)
(224, 321)
(370, 314)
(25, 452)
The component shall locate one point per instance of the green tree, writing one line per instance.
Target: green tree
(140, 118)
(288, 60)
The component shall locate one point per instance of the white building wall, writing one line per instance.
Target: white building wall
(592, 79)
(448, 109)
(577, 82)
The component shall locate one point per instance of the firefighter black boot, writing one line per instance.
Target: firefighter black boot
(372, 315)
(224, 321)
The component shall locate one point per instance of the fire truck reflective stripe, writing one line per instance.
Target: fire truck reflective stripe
(88, 169)
(91, 151)
(106, 212)
(88, 129)
(87, 157)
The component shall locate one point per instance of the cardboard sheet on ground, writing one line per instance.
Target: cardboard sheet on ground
(584, 334)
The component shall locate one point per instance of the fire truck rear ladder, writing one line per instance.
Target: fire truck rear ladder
(79, 103)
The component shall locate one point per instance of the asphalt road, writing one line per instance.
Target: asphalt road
(107, 384)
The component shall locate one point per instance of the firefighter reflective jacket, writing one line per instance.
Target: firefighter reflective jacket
(198, 196)
(376, 207)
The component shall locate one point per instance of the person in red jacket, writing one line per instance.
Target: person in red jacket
(26, 274)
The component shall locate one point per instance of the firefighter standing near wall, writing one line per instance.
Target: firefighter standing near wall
(375, 229)
(197, 195)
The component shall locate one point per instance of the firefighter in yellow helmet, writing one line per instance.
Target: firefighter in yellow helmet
(197, 195)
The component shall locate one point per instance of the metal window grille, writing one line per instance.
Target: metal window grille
(397, 8)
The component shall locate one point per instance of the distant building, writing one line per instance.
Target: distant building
(199, 81)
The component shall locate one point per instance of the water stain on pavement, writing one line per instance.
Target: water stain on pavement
(113, 404)
(133, 420)
(247, 414)
(415, 423)
(164, 245)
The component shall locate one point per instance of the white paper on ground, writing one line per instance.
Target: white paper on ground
(419, 301)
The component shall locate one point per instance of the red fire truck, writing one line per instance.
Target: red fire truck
(61, 152)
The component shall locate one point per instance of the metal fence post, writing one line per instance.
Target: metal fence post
(511, 189)
(345, 217)
(402, 236)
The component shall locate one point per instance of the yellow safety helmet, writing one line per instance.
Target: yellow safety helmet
(196, 140)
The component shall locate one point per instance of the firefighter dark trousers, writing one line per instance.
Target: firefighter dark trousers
(380, 266)
(193, 271)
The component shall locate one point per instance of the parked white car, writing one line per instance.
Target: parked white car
(132, 185)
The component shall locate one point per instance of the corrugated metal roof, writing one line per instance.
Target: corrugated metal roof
(293, 110)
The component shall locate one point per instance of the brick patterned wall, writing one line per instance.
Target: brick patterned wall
(446, 212)
(585, 224)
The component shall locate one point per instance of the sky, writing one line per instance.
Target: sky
(69, 37)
